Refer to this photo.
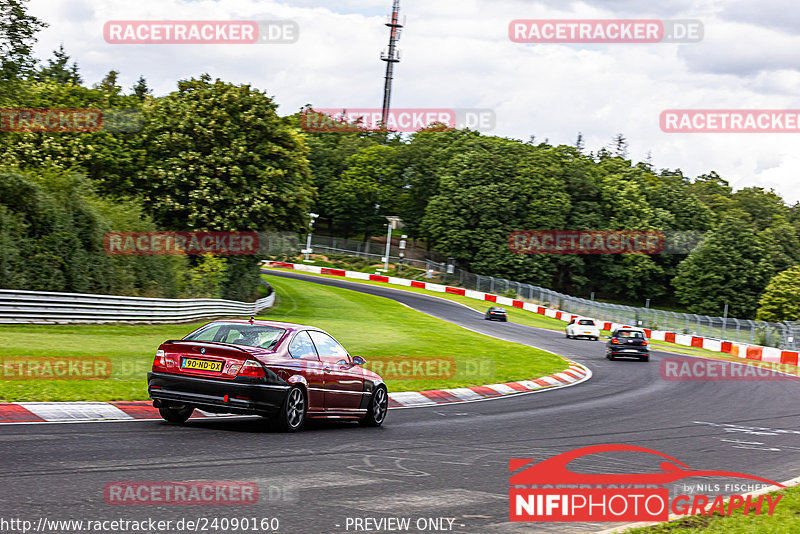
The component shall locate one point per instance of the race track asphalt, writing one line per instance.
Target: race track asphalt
(444, 461)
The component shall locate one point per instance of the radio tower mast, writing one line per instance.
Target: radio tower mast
(391, 57)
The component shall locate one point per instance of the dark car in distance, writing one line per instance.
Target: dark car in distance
(282, 371)
(628, 342)
(496, 313)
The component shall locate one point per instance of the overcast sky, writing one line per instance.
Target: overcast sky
(457, 54)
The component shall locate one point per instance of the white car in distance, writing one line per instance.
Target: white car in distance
(583, 327)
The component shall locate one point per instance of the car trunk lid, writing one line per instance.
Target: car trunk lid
(205, 358)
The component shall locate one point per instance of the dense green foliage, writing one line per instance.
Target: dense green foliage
(212, 156)
(51, 239)
(463, 193)
(781, 298)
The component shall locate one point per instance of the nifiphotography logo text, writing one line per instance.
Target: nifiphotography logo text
(548, 491)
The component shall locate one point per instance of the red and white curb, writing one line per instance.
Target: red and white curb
(741, 350)
(82, 412)
(574, 374)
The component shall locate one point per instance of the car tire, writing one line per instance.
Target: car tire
(175, 415)
(610, 356)
(645, 358)
(377, 408)
(292, 416)
(505, 320)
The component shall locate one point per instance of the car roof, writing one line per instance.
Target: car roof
(260, 322)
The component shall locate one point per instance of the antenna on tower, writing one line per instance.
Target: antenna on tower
(391, 57)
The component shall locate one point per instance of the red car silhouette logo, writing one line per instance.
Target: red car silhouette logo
(555, 471)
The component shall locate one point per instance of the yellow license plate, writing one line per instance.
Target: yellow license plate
(201, 365)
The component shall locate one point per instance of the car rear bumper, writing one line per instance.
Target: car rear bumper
(209, 394)
(629, 352)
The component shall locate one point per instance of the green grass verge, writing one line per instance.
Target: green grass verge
(369, 326)
(785, 520)
(526, 318)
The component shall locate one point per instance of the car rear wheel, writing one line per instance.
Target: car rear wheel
(645, 358)
(175, 414)
(609, 356)
(293, 411)
(378, 406)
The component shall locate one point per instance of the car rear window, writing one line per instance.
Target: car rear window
(630, 334)
(586, 322)
(261, 336)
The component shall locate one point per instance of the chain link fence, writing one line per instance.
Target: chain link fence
(439, 269)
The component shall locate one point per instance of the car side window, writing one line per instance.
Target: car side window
(327, 347)
(302, 348)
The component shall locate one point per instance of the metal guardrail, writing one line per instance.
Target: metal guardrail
(43, 307)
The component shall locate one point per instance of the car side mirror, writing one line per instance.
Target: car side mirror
(358, 360)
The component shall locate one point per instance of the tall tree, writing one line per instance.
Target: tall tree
(218, 157)
(17, 37)
(140, 89)
(619, 146)
(579, 143)
(730, 266)
(109, 84)
(368, 189)
(781, 298)
(58, 69)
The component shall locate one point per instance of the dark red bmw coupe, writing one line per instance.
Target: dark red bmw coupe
(283, 371)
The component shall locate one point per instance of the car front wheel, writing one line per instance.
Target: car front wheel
(378, 406)
(175, 415)
(293, 411)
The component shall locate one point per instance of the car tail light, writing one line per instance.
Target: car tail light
(252, 368)
(159, 363)
(644, 342)
(614, 341)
